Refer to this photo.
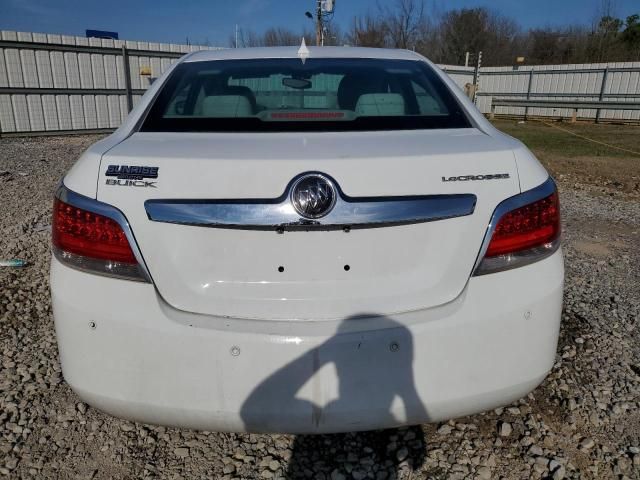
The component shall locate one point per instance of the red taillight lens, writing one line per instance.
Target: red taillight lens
(527, 227)
(90, 235)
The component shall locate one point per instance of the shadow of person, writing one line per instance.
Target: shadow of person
(380, 454)
(361, 378)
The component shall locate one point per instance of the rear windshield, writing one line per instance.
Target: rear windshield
(323, 94)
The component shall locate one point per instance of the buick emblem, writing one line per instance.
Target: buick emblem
(313, 195)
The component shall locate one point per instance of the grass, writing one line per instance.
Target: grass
(542, 138)
(576, 160)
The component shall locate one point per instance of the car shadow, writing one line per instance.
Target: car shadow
(360, 378)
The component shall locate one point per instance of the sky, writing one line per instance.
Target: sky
(214, 20)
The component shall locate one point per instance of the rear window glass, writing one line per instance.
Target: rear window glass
(322, 94)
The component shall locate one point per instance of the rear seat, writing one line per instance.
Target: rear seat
(380, 104)
(226, 106)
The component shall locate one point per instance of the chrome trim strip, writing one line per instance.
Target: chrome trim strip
(279, 214)
(520, 200)
(80, 201)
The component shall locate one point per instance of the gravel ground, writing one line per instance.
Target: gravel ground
(582, 422)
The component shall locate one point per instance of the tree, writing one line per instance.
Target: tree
(605, 44)
(401, 24)
(280, 37)
(368, 31)
(405, 22)
(631, 36)
(447, 37)
(551, 46)
(477, 29)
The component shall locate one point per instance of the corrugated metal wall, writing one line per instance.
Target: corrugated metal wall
(618, 82)
(58, 82)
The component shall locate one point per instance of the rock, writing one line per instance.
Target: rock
(336, 475)
(535, 450)
(181, 452)
(410, 435)
(553, 465)
(483, 473)
(542, 461)
(445, 429)
(505, 429)
(402, 454)
(559, 473)
(526, 441)
(587, 444)
(539, 469)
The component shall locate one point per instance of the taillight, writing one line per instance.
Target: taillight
(92, 242)
(524, 234)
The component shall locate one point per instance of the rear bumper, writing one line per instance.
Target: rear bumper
(126, 352)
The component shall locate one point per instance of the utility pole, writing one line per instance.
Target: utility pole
(236, 35)
(319, 26)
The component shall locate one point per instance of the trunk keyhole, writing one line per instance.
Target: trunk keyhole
(281, 269)
(347, 268)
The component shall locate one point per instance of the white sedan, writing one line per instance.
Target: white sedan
(305, 241)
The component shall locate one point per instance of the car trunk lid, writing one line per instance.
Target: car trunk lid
(314, 274)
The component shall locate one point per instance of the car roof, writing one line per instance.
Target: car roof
(292, 52)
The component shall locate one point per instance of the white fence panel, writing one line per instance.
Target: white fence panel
(6, 114)
(20, 113)
(84, 80)
(64, 112)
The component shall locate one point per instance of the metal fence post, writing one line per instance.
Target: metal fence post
(526, 109)
(602, 89)
(127, 78)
